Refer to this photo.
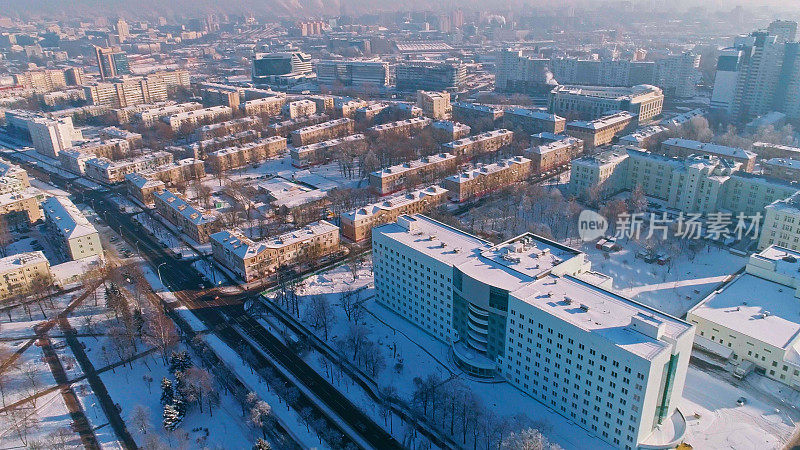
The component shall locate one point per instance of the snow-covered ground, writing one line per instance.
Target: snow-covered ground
(673, 289)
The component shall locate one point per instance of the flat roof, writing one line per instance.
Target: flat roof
(784, 162)
(709, 147)
(602, 122)
(412, 165)
(20, 260)
(487, 169)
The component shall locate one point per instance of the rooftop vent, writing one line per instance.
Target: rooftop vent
(584, 307)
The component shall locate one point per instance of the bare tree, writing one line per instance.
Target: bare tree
(31, 373)
(141, 418)
(319, 314)
(160, 333)
(527, 439)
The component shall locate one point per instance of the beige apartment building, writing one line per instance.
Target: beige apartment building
(250, 153)
(192, 119)
(781, 224)
(602, 131)
(533, 121)
(473, 183)
(134, 140)
(407, 175)
(265, 106)
(591, 102)
(228, 127)
(12, 178)
(110, 172)
(189, 220)
(299, 108)
(435, 104)
(177, 172)
(150, 116)
(347, 107)
(357, 225)
(322, 152)
(785, 169)
(400, 128)
(553, 152)
(142, 188)
(765, 150)
(46, 80)
(251, 260)
(77, 238)
(322, 131)
(478, 144)
(19, 273)
(477, 116)
(21, 208)
(286, 127)
(447, 130)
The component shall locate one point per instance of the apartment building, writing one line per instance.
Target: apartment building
(189, 220)
(265, 106)
(430, 75)
(106, 148)
(204, 146)
(21, 208)
(685, 147)
(178, 171)
(781, 225)
(142, 188)
(76, 237)
(322, 131)
(408, 175)
(552, 154)
(134, 140)
(324, 103)
(621, 366)
(400, 128)
(435, 104)
(750, 194)
(533, 121)
(110, 172)
(123, 92)
(487, 178)
(192, 119)
(228, 127)
(12, 178)
(74, 160)
(150, 116)
(20, 273)
(587, 103)
(347, 107)
(221, 97)
(268, 65)
(376, 112)
(286, 127)
(785, 169)
(598, 173)
(602, 131)
(477, 116)
(754, 316)
(447, 130)
(322, 152)
(766, 150)
(46, 80)
(50, 136)
(299, 108)
(251, 260)
(487, 142)
(250, 153)
(357, 225)
(352, 73)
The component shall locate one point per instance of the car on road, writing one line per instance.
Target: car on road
(741, 401)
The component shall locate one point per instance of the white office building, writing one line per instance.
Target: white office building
(531, 311)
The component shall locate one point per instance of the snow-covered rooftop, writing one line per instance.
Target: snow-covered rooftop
(708, 147)
(411, 165)
(613, 118)
(67, 218)
(20, 260)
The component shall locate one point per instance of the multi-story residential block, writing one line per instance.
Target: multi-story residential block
(347, 107)
(221, 97)
(479, 117)
(587, 103)
(357, 225)
(12, 178)
(21, 273)
(408, 175)
(754, 316)
(487, 142)
(476, 182)
(435, 104)
(21, 208)
(192, 119)
(322, 131)
(264, 106)
(299, 108)
(200, 148)
(50, 136)
(285, 127)
(189, 220)
(598, 173)
(74, 160)
(602, 131)
(251, 260)
(126, 92)
(178, 171)
(489, 302)
(750, 194)
(430, 75)
(646, 137)
(352, 73)
(228, 127)
(447, 130)
(239, 156)
(781, 225)
(679, 121)
(678, 74)
(553, 152)
(134, 140)
(766, 150)
(107, 171)
(142, 188)
(268, 65)
(46, 80)
(322, 152)
(111, 62)
(785, 169)
(400, 128)
(685, 147)
(107, 148)
(150, 116)
(375, 112)
(406, 110)
(77, 238)
(533, 121)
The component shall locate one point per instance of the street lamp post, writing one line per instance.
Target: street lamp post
(158, 270)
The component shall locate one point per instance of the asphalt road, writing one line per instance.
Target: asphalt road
(214, 310)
